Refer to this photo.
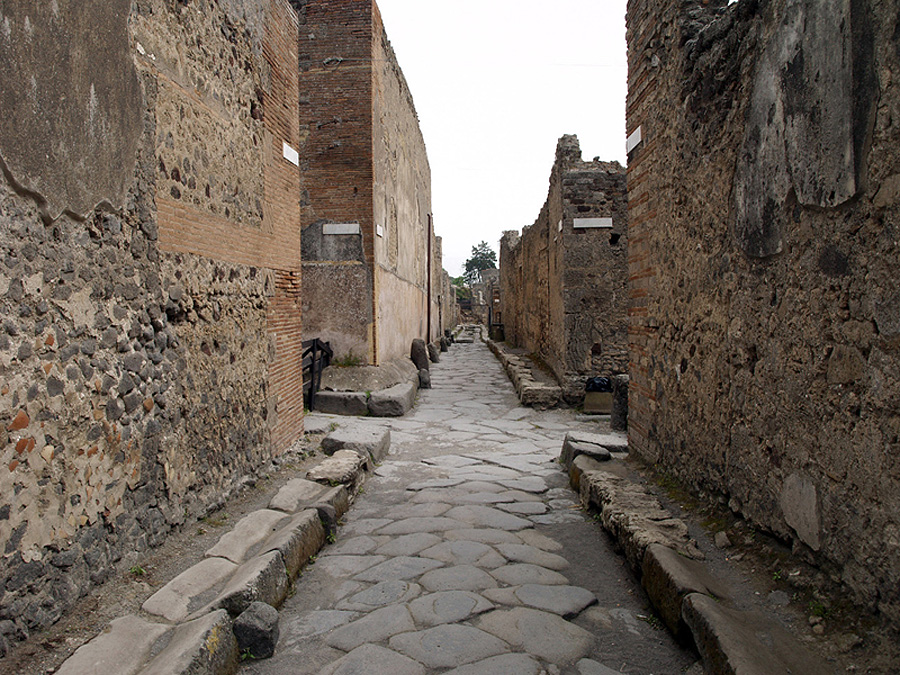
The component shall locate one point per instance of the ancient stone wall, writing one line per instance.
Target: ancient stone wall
(149, 291)
(563, 282)
(763, 192)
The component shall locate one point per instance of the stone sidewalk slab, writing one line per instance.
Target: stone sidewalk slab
(668, 578)
(297, 540)
(249, 533)
(369, 441)
(746, 643)
(123, 648)
(295, 494)
(263, 578)
(189, 591)
(204, 646)
(344, 467)
(341, 402)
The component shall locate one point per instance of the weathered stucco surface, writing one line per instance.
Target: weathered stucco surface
(147, 349)
(763, 207)
(563, 281)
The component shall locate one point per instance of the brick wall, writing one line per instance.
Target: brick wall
(763, 333)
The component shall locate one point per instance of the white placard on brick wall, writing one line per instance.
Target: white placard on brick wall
(340, 228)
(634, 140)
(584, 223)
(290, 154)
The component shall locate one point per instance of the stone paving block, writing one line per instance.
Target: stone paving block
(367, 440)
(448, 607)
(408, 544)
(668, 578)
(123, 648)
(249, 533)
(394, 401)
(448, 645)
(342, 403)
(401, 567)
(256, 630)
(373, 659)
(538, 540)
(458, 552)
(567, 601)
(535, 556)
(376, 626)
(505, 664)
(299, 538)
(411, 525)
(190, 590)
(522, 573)
(348, 565)
(485, 516)
(344, 467)
(204, 646)
(457, 578)
(745, 643)
(389, 592)
(296, 494)
(541, 634)
(485, 535)
(263, 578)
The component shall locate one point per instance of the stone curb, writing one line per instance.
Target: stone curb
(531, 393)
(197, 641)
(689, 599)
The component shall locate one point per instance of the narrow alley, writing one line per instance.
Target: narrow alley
(467, 552)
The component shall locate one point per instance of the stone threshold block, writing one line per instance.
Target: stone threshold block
(747, 643)
(368, 441)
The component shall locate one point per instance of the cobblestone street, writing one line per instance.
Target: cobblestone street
(467, 552)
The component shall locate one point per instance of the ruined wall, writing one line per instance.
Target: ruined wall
(563, 283)
(149, 332)
(402, 207)
(763, 185)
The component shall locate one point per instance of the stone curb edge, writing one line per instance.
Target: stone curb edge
(203, 643)
(692, 603)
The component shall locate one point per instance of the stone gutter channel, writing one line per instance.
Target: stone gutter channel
(203, 620)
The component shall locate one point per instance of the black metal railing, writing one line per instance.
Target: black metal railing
(317, 357)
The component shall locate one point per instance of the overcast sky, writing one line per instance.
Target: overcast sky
(496, 83)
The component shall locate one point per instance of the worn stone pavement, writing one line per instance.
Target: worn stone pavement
(467, 553)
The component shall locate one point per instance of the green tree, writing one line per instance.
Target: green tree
(483, 258)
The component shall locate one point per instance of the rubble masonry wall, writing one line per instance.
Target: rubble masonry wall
(763, 210)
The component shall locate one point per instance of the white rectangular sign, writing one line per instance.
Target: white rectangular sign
(634, 140)
(582, 223)
(340, 228)
(290, 154)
